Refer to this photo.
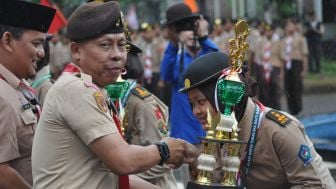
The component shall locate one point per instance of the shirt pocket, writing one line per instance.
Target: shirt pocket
(28, 117)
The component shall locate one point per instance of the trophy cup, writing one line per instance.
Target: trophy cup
(224, 129)
(115, 91)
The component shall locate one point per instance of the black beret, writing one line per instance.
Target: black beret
(26, 15)
(94, 19)
(178, 13)
(204, 69)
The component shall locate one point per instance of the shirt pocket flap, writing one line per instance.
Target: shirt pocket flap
(28, 117)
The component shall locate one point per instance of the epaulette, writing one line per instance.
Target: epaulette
(141, 92)
(278, 117)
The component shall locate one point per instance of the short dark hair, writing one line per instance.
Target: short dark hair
(15, 31)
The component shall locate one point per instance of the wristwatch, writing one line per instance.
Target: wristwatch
(164, 151)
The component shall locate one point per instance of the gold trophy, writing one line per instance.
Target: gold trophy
(206, 161)
(223, 129)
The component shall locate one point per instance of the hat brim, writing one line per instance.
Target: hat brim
(204, 81)
(195, 16)
(134, 49)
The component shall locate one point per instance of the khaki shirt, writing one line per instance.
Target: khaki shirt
(72, 118)
(276, 163)
(299, 47)
(42, 88)
(275, 58)
(17, 126)
(143, 127)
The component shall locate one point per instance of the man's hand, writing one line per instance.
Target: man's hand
(181, 152)
(191, 153)
(176, 151)
(202, 27)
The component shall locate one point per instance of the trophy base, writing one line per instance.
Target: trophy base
(193, 185)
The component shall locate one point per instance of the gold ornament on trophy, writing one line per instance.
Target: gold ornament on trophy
(222, 130)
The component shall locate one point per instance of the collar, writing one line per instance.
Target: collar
(246, 121)
(10, 77)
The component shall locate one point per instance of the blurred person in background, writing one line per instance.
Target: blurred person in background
(294, 53)
(188, 39)
(268, 51)
(151, 58)
(314, 31)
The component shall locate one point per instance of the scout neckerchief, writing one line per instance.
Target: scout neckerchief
(124, 98)
(29, 94)
(266, 61)
(258, 111)
(123, 180)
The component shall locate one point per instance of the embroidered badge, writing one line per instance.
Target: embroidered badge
(100, 100)
(278, 117)
(305, 155)
(162, 126)
(141, 92)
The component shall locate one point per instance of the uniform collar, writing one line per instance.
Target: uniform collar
(9, 77)
(246, 121)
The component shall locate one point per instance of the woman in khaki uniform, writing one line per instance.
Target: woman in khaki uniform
(145, 120)
(284, 156)
(22, 32)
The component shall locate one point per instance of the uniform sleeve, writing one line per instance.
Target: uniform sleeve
(303, 166)
(80, 110)
(146, 122)
(8, 140)
(167, 68)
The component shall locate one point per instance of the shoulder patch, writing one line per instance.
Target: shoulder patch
(100, 100)
(278, 117)
(141, 92)
(305, 155)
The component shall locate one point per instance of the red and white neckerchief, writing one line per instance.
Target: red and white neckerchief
(148, 61)
(288, 50)
(266, 61)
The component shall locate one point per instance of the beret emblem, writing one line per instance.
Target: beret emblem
(186, 83)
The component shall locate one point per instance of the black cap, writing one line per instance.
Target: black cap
(204, 69)
(94, 19)
(203, 74)
(179, 12)
(26, 15)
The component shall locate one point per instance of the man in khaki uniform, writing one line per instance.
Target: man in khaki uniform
(145, 120)
(22, 32)
(268, 51)
(295, 57)
(77, 142)
(283, 156)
